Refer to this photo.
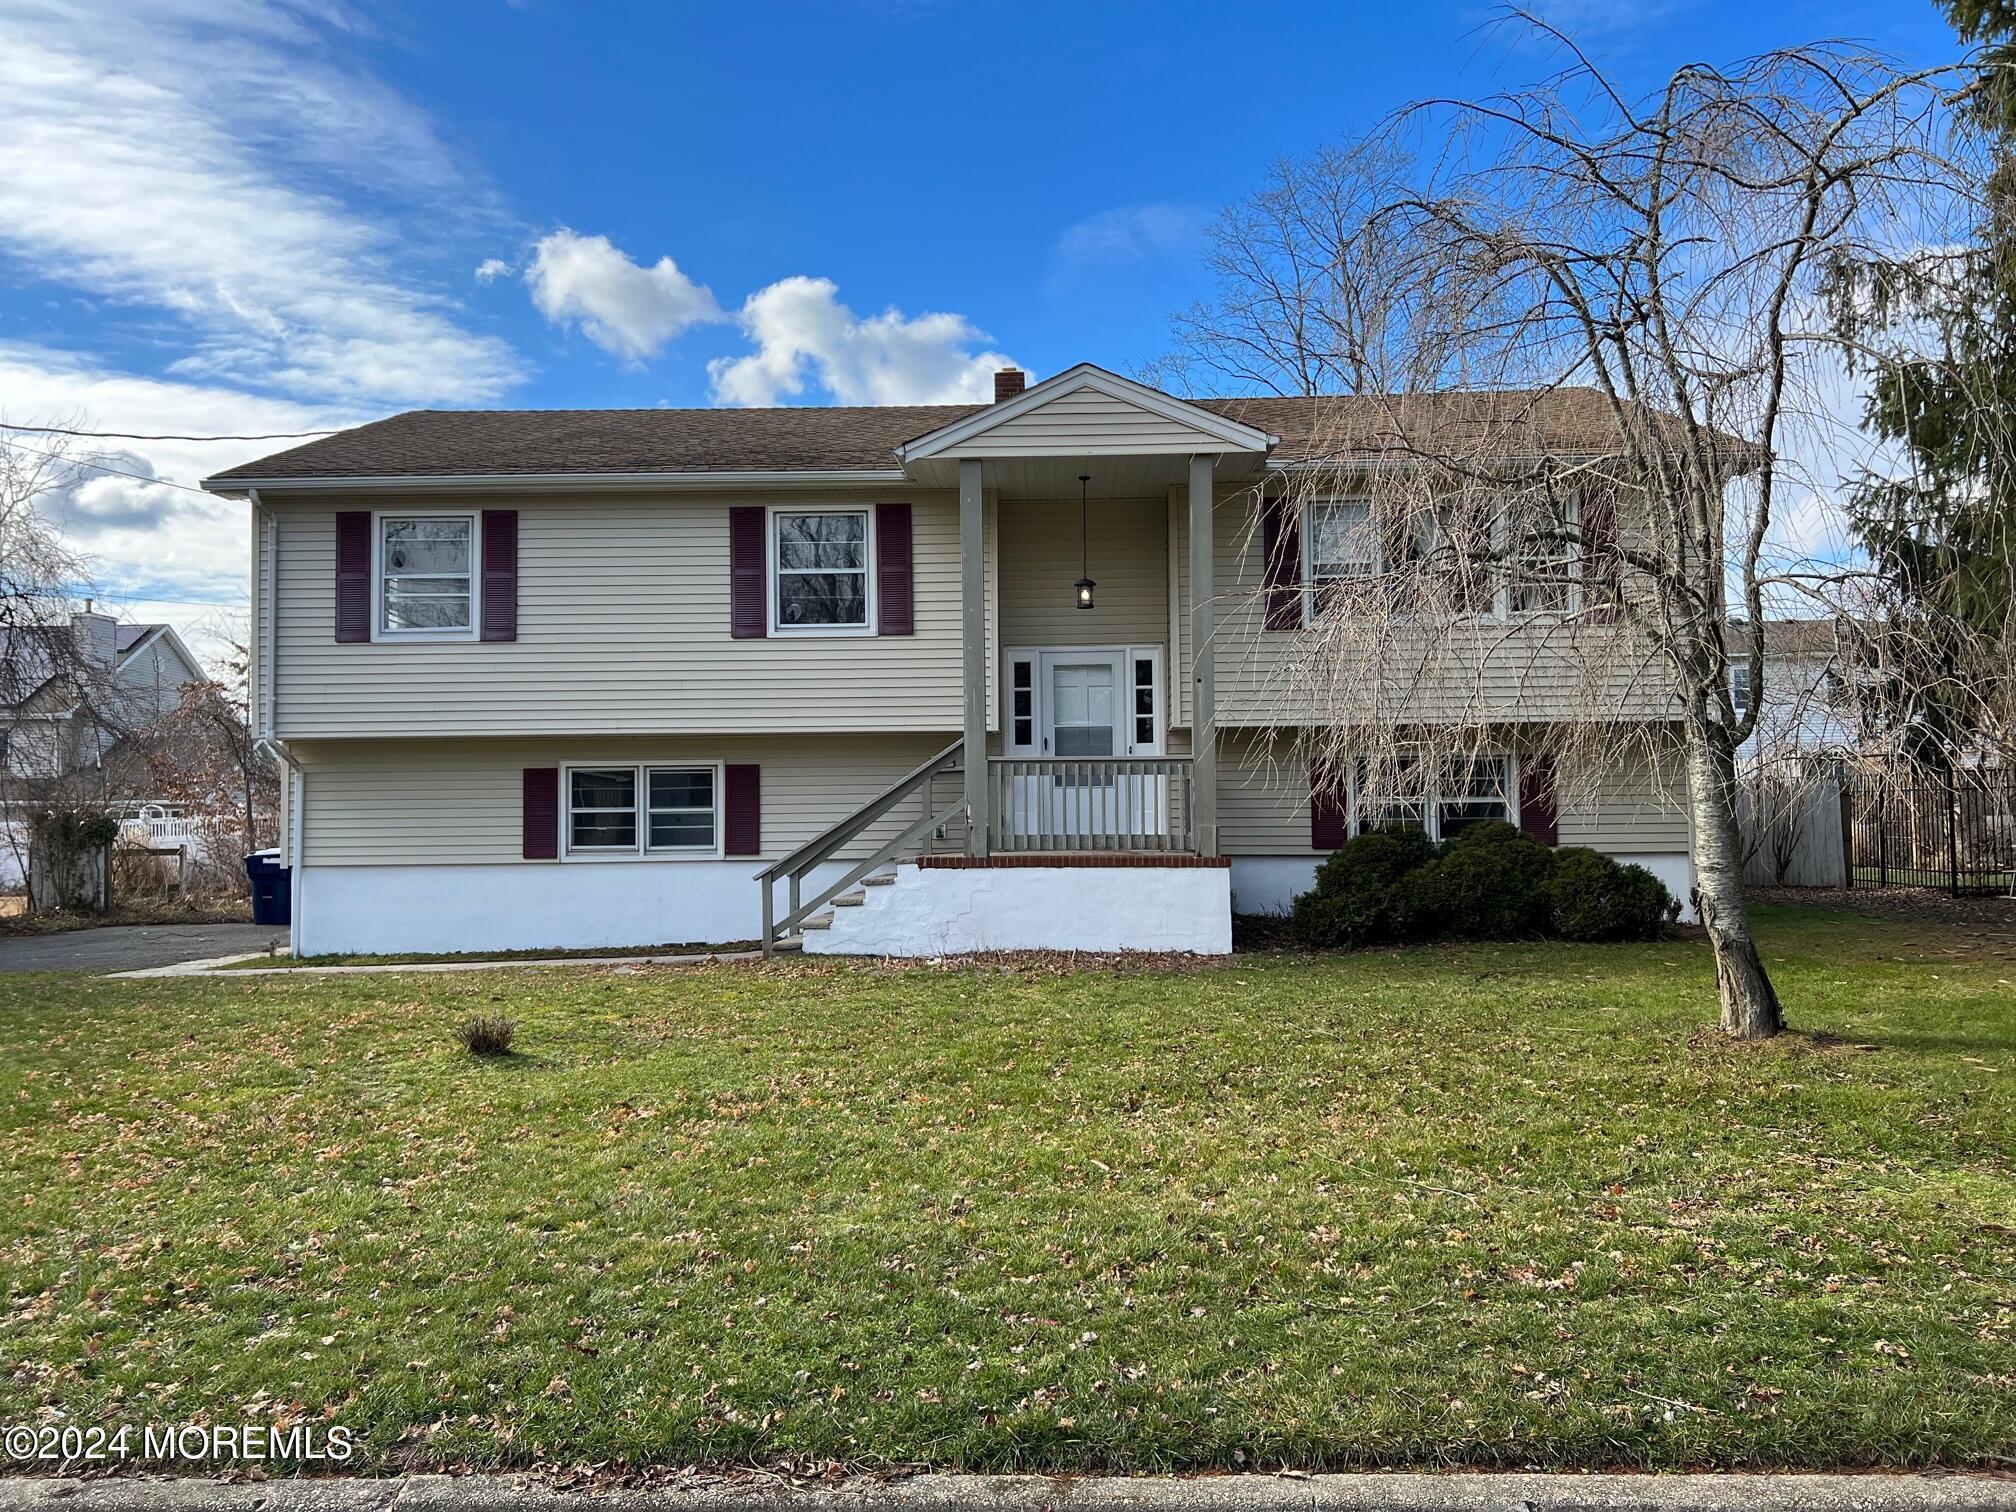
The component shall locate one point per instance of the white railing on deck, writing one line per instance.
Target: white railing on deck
(1106, 803)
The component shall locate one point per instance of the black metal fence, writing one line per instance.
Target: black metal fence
(1957, 834)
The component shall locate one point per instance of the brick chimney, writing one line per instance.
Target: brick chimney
(1008, 382)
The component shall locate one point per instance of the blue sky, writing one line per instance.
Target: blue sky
(218, 215)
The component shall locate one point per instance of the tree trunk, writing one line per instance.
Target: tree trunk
(1749, 1003)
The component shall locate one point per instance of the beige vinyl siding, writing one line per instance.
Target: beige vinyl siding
(623, 628)
(1085, 421)
(440, 802)
(1263, 804)
(1040, 561)
(1263, 798)
(1637, 807)
(1525, 669)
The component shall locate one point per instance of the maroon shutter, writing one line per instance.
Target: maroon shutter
(542, 814)
(748, 604)
(743, 806)
(353, 575)
(1281, 541)
(1329, 819)
(895, 612)
(1536, 800)
(500, 574)
(1601, 566)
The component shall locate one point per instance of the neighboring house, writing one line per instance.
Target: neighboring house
(579, 678)
(1807, 708)
(75, 693)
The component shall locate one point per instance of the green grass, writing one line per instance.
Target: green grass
(1496, 1206)
(414, 958)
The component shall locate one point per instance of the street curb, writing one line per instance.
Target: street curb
(209, 968)
(1035, 1493)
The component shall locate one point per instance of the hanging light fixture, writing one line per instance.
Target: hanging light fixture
(1084, 585)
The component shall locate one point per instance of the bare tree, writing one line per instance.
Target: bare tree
(60, 708)
(1547, 523)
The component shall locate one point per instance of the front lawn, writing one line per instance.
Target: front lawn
(1493, 1205)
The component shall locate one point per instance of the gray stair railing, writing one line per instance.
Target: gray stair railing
(799, 864)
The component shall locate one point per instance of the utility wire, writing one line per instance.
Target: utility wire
(116, 471)
(59, 430)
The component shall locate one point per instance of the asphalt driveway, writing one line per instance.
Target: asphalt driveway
(129, 947)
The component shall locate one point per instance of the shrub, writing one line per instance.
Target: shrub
(1358, 899)
(1489, 883)
(1591, 897)
(485, 1034)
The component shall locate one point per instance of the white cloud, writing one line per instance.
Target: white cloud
(628, 310)
(1131, 234)
(204, 158)
(491, 269)
(144, 535)
(804, 335)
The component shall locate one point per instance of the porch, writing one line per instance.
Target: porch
(1083, 690)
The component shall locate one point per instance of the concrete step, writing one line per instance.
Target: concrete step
(850, 900)
(817, 921)
(789, 945)
(884, 879)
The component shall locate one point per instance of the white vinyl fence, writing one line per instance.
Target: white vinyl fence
(1799, 842)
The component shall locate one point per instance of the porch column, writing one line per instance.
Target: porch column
(1203, 703)
(973, 621)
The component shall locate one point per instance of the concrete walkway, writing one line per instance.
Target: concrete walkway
(215, 968)
(1031, 1493)
(125, 947)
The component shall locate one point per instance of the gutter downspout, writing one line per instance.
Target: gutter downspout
(260, 701)
(297, 781)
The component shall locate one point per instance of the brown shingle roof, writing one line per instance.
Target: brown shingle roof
(465, 443)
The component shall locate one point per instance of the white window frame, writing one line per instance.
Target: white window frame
(1739, 686)
(643, 850)
(1432, 799)
(773, 569)
(379, 630)
(1574, 553)
(1311, 584)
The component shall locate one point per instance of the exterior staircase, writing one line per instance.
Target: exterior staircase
(823, 922)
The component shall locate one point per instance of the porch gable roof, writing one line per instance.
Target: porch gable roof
(1086, 411)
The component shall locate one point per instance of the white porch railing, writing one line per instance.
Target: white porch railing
(162, 832)
(1108, 803)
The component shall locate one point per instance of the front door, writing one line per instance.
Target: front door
(1081, 713)
(1081, 707)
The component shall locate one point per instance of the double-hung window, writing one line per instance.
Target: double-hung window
(820, 571)
(1470, 793)
(1546, 566)
(1465, 793)
(1341, 549)
(1450, 546)
(642, 810)
(426, 574)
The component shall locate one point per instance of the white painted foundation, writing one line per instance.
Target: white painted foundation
(561, 906)
(939, 911)
(1675, 869)
(1271, 884)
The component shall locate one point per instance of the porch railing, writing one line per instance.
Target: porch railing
(1107, 803)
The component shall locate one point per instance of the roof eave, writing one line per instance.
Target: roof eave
(238, 488)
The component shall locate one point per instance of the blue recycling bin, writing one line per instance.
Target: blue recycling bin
(272, 888)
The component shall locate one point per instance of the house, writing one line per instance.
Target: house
(69, 695)
(903, 680)
(73, 691)
(1808, 708)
